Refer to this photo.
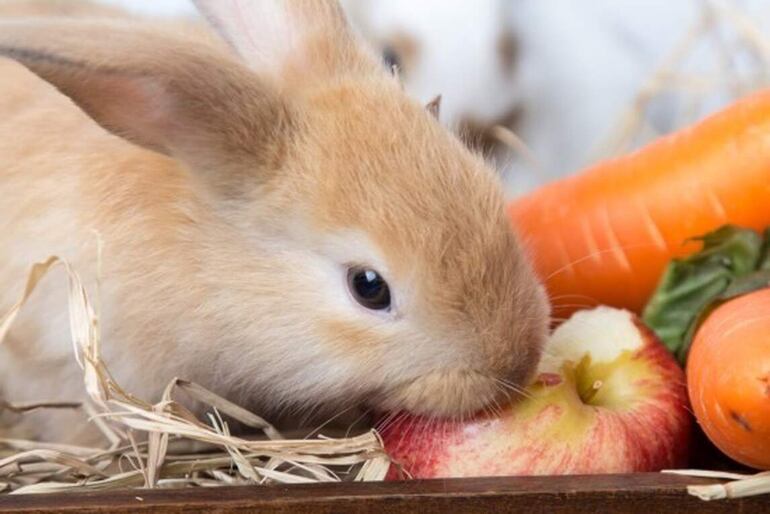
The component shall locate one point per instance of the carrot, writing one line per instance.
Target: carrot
(728, 377)
(712, 309)
(604, 236)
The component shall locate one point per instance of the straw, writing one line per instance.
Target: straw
(739, 486)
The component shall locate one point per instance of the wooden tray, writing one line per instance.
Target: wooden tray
(645, 493)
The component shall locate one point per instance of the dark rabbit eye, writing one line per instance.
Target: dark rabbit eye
(369, 288)
(391, 59)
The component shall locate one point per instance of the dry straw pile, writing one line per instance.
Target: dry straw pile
(164, 444)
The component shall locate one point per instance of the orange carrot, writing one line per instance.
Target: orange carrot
(728, 378)
(604, 236)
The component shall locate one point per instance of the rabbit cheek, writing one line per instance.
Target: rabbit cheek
(351, 339)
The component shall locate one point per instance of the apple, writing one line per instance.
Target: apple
(609, 398)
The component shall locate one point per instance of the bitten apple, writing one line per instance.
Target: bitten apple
(609, 399)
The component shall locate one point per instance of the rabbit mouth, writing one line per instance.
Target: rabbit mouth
(449, 394)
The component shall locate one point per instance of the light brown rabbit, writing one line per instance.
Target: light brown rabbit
(282, 225)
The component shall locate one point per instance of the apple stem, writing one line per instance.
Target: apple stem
(589, 395)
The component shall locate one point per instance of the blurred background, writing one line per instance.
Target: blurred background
(573, 82)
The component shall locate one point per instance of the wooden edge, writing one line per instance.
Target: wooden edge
(645, 493)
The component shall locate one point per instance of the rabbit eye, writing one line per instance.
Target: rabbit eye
(369, 288)
(391, 59)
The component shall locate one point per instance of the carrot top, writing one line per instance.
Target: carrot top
(733, 261)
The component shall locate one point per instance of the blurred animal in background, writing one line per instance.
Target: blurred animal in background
(466, 52)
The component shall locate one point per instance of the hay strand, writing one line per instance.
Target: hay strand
(739, 486)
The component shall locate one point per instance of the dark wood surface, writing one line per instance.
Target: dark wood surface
(650, 493)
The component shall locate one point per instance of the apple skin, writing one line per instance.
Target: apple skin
(610, 398)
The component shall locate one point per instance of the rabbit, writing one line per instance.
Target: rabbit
(280, 222)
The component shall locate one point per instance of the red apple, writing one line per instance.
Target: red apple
(609, 399)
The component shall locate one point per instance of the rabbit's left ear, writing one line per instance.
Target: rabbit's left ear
(290, 39)
(195, 104)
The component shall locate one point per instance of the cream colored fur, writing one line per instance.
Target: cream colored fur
(231, 212)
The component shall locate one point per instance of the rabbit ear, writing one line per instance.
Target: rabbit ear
(434, 107)
(162, 93)
(288, 38)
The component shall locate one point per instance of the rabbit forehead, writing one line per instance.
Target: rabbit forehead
(374, 155)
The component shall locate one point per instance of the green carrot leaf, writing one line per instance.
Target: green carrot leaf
(690, 286)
